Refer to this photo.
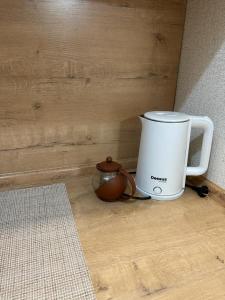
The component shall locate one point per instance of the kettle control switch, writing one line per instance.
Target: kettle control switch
(157, 190)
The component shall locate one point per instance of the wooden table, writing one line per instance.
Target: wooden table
(150, 249)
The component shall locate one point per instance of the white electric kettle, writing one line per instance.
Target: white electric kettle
(163, 154)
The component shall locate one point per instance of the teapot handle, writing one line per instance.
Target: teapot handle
(130, 178)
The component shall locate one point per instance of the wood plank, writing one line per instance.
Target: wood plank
(159, 250)
(57, 100)
(155, 250)
(75, 75)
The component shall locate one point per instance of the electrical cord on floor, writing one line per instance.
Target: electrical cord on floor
(202, 191)
(136, 197)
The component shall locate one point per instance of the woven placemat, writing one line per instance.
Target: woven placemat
(40, 252)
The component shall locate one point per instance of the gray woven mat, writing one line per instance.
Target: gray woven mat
(40, 252)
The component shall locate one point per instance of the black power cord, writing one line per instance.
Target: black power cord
(136, 197)
(202, 191)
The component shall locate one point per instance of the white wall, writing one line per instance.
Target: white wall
(201, 82)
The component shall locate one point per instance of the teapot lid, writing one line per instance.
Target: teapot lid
(167, 116)
(108, 165)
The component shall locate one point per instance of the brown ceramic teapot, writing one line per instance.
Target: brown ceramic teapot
(111, 180)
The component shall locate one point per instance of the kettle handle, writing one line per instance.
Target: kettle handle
(130, 178)
(207, 125)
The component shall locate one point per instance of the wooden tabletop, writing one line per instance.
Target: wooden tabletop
(152, 249)
(167, 250)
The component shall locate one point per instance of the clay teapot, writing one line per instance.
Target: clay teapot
(110, 181)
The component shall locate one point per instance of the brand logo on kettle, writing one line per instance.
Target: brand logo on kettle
(159, 178)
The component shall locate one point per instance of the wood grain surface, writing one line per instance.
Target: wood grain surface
(160, 250)
(74, 75)
(156, 250)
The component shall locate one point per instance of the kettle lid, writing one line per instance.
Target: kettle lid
(167, 116)
(108, 165)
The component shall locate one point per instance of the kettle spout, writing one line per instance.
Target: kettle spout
(142, 119)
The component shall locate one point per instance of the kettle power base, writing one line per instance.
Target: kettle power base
(160, 197)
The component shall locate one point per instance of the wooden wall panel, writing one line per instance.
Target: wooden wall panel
(75, 74)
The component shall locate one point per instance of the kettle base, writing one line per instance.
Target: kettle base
(161, 197)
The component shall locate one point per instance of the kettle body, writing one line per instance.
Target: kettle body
(163, 153)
